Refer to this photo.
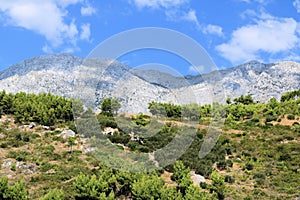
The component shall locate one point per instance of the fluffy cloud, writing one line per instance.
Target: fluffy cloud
(192, 17)
(206, 29)
(46, 18)
(268, 35)
(158, 3)
(87, 11)
(296, 4)
(86, 32)
(213, 29)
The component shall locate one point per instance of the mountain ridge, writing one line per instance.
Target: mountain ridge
(62, 74)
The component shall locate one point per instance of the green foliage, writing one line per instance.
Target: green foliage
(182, 176)
(290, 95)
(229, 179)
(15, 192)
(269, 155)
(170, 193)
(18, 155)
(196, 193)
(110, 106)
(291, 116)
(246, 100)
(147, 188)
(218, 184)
(54, 195)
(43, 108)
(141, 119)
(71, 142)
(249, 166)
(93, 188)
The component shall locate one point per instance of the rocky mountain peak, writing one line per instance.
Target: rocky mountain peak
(135, 88)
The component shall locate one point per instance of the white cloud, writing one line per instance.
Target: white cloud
(158, 3)
(87, 11)
(268, 35)
(206, 29)
(174, 12)
(213, 29)
(296, 4)
(192, 17)
(46, 18)
(85, 32)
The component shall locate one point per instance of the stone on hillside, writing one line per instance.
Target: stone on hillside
(110, 131)
(67, 133)
(46, 127)
(31, 125)
(197, 179)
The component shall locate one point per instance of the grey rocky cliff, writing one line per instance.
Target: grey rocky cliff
(95, 78)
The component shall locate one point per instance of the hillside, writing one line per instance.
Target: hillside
(255, 157)
(69, 76)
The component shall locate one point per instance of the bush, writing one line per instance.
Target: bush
(249, 166)
(291, 117)
(221, 164)
(229, 179)
(255, 120)
(18, 155)
(54, 195)
(13, 167)
(229, 163)
(270, 118)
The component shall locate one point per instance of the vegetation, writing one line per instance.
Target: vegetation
(256, 156)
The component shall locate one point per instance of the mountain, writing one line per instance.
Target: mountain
(95, 78)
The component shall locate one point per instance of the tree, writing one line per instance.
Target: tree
(218, 184)
(156, 109)
(228, 101)
(147, 188)
(195, 193)
(54, 195)
(90, 188)
(71, 142)
(4, 189)
(182, 176)
(15, 192)
(170, 193)
(246, 100)
(110, 106)
(115, 105)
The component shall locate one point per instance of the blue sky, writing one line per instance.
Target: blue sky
(231, 31)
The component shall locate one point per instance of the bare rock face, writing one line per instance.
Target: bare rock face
(93, 79)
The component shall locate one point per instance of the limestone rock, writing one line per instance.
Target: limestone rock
(67, 133)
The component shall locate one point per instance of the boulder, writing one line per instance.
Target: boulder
(46, 127)
(197, 178)
(67, 133)
(31, 125)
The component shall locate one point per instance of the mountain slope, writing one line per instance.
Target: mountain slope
(93, 79)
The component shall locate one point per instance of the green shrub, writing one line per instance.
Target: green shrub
(255, 120)
(13, 167)
(54, 195)
(229, 179)
(291, 117)
(221, 164)
(18, 155)
(249, 166)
